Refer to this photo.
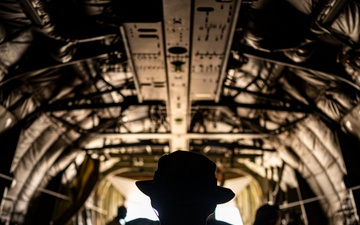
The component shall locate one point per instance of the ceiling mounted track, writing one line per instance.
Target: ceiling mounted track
(194, 38)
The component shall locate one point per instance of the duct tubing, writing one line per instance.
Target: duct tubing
(64, 48)
(11, 51)
(275, 26)
(95, 7)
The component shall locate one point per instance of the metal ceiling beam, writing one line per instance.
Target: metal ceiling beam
(330, 11)
(213, 29)
(126, 145)
(131, 63)
(235, 156)
(177, 30)
(217, 144)
(145, 136)
(41, 61)
(124, 104)
(227, 50)
(231, 146)
(144, 47)
(229, 102)
(326, 55)
(73, 100)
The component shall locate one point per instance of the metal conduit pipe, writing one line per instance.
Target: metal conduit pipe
(95, 7)
(324, 15)
(329, 11)
(36, 10)
(2, 33)
(11, 51)
(260, 4)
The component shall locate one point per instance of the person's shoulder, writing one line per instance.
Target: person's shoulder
(113, 222)
(217, 222)
(142, 221)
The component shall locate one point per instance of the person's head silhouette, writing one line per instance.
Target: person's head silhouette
(267, 215)
(119, 218)
(184, 189)
(121, 212)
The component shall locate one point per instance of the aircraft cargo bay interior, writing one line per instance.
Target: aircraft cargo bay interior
(94, 92)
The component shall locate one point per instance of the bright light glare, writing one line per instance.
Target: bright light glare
(137, 203)
(143, 209)
(228, 213)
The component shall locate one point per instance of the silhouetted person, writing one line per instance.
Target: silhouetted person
(267, 215)
(121, 214)
(184, 189)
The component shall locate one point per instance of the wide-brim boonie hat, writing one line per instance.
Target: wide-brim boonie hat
(184, 176)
